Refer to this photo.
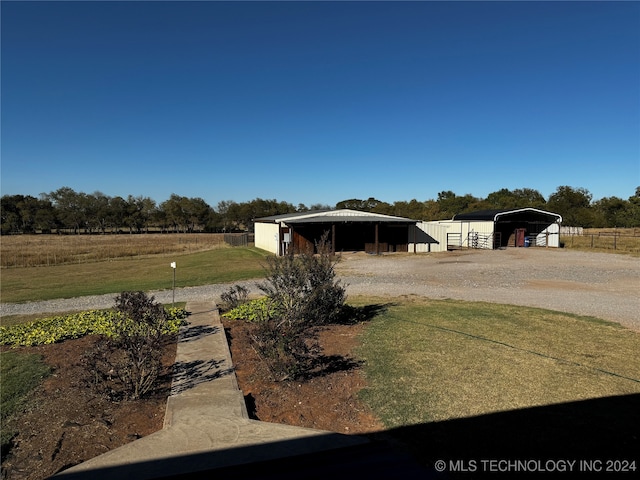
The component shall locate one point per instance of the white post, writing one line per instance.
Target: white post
(173, 266)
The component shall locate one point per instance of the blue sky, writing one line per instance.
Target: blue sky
(317, 102)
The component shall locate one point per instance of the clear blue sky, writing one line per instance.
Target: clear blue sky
(317, 102)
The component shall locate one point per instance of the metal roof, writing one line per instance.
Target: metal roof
(333, 216)
(495, 215)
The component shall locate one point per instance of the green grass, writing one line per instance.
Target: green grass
(153, 273)
(430, 360)
(20, 374)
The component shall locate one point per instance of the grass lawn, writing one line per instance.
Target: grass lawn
(429, 360)
(20, 374)
(152, 273)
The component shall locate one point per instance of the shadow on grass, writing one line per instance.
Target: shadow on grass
(351, 315)
(601, 432)
(597, 434)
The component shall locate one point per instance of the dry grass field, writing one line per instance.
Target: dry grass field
(619, 240)
(48, 250)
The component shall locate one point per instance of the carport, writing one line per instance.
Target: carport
(348, 230)
(514, 228)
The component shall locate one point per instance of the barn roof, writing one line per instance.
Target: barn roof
(519, 213)
(334, 216)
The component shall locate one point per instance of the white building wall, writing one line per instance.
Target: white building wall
(477, 234)
(457, 232)
(266, 236)
(419, 237)
(549, 237)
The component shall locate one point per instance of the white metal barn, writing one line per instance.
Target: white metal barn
(348, 230)
(488, 229)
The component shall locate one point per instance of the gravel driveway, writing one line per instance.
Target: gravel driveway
(597, 284)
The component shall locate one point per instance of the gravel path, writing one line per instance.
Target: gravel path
(601, 285)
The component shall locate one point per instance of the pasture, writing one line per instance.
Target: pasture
(101, 264)
(618, 240)
(50, 250)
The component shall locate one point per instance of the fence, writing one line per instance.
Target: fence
(626, 240)
(571, 230)
(238, 239)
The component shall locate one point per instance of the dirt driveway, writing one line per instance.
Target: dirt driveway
(598, 284)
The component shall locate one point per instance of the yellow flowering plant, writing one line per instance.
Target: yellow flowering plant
(64, 327)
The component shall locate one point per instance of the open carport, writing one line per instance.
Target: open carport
(517, 228)
(489, 229)
(347, 230)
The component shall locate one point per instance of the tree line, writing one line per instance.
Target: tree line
(66, 210)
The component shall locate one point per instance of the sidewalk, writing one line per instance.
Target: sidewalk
(207, 427)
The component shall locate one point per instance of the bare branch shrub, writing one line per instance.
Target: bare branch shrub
(308, 296)
(128, 364)
(234, 296)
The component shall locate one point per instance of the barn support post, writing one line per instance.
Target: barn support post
(333, 238)
(415, 236)
(376, 239)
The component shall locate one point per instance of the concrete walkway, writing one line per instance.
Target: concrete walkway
(207, 427)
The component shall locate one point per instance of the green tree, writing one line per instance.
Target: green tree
(450, 204)
(518, 198)
(186, 214)
(26, 214)
(117, 213)
(369, 205)
(412, 209)
(45, 218)
(632, 213)
(10, 214)
(70, 207)
(610, 212)
(574, 204)
(100, 211)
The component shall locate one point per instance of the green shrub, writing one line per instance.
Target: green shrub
(256, 310)
(65, 327)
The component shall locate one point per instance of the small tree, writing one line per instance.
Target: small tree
(235, 296)
(307, 296)
(129, 363)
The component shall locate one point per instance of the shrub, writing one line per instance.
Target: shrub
(235, 296)
(65, 327)
(302, 295)
(128, 363)
(257, 310)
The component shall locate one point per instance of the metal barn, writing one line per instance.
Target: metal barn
(489, 229)
(348, 230)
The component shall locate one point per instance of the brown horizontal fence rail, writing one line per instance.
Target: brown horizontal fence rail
(624, 240)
